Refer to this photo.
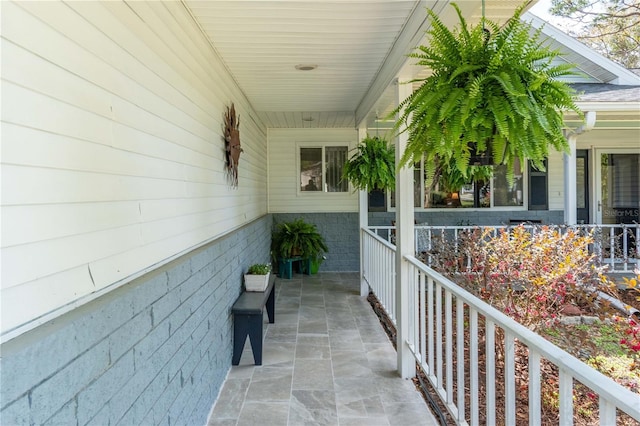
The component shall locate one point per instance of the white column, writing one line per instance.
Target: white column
(404, 246)
(570, 182)
(363, 222)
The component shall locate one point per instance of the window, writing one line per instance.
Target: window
(321, 169)
(538, 186)
(493, 190)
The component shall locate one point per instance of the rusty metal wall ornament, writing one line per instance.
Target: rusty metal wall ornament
(232, 144)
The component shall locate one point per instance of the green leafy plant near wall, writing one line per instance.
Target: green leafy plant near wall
(493, 90)
(372, 166)
(297, 238)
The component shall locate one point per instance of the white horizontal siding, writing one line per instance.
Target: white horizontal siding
(284, 196)
(591, 140)
(608, 138)
(555, 179)
(112, 148)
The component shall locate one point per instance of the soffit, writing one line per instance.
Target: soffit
(357, 45)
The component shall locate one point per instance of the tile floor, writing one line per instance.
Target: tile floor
(326, 361)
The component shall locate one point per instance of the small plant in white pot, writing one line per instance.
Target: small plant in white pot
(257, 277)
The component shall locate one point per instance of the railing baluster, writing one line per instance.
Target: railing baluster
(473, 366)
(607, 413)
(625, 254)
(439, 336)
(430, 319)
(460, 362)
(423, 320)
(509, 378)
(490, 379)
(565, 393)
(612, 246)
(534, 387)
(449, 345)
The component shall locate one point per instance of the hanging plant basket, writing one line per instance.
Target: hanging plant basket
(493, 96)
(372, 166)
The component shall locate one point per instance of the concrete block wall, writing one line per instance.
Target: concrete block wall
(155, 351)
(340, 232)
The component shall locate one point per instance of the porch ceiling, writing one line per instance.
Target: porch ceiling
(358, 47)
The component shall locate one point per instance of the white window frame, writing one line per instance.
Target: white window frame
(523, 207)
(322, 192)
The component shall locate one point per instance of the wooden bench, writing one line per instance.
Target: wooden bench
(248, 319)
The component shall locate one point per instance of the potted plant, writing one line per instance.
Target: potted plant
(372, 166)
(297, 240)
(493, 94)
(257, 277)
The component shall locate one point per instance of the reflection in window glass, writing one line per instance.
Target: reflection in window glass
(310, 169)
(335, 157)
(505, 194)
(321, 169)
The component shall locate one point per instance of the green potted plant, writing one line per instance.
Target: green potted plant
(493, 96)
(257, 277)
(297, 240)
(372, 166)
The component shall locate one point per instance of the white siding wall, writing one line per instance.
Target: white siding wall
(112, 154)
(608, 138)
(284, 196)
(555, 179)
(591, 140)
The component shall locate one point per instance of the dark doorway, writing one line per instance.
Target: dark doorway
(582, 185)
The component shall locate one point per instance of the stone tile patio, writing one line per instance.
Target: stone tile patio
(326, 361)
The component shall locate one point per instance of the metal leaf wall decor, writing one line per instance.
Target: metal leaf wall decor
(232, 144)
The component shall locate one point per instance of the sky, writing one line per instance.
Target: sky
(541, 9)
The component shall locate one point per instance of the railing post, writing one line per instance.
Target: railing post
(404, 246)
(363, 223)
(570, 182)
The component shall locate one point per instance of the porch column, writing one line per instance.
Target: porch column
(404, 246)
(363, 220)
(570, 178)
(570, 182)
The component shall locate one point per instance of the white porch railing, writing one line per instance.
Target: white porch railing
(617, 246)
(437, 307)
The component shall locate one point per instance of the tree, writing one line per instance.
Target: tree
(610, 27)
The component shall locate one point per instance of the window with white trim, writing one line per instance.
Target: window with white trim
(492, 192)
(321, 168)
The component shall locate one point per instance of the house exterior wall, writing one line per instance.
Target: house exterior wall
(112, 148)
(608, 138)
(284, 196)
(155, 351)
(123, 245)
(341, 234)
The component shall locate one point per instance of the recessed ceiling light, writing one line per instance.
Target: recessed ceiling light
(306, 67)
(307, 118)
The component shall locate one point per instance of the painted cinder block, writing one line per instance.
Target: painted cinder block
(144, 294)
(65, 416)
(17, 413)
(127, 336)
(104, 388)
(59, 389)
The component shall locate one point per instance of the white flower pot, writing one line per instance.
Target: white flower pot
(256, 282)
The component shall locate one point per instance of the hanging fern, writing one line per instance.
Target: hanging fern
(493, 90)
(372, 166)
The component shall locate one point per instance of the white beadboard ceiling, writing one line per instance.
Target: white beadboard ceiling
(358, 46)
